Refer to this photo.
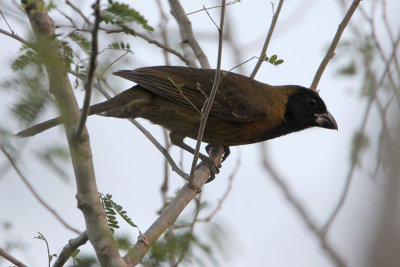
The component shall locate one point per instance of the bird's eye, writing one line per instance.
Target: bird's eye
(311, 102)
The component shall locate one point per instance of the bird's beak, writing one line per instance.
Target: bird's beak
(326, 120)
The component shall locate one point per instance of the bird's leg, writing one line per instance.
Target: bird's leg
(177, 140)
(227, 152)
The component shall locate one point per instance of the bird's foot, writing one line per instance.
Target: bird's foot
(214, 169)
(227, 152)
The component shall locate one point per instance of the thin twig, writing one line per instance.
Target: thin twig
(165, 47)
(92, 68)
(11, 30)
(41, 237)
(14, 36)
(11, 259)
(78, 10)
(267, 40)
(70, 248)
(146, 133)
(164, 34)
(34, 193)
(331, 51)
(349, 178)
(217, 79)
(209, 8)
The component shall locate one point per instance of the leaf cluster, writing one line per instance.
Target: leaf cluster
(112, 208)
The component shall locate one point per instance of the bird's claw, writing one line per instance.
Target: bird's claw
(227, 152)
(214, 169)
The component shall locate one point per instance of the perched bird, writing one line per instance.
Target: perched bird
(244, 111)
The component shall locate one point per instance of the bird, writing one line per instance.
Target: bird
(244, 111)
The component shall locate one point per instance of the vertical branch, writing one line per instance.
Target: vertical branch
(217, 79)
(87, 193)
(92, 69)
(331, 51)
(267, 40)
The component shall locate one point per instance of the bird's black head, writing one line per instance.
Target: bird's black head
(306, 109)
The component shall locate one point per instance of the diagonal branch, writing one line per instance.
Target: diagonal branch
(331, 51)
(11, 259)
(267, 40)
(70, 248)
(302, 212)
(171, 213)
(186, 30)
(34, 193)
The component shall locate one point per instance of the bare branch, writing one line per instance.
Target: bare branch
(78, 10)
(35, 194)
(212, 7)
(267, 40)
(217, 79)
(299, 208)
(331, 51)
(70, 248)
(81, 156)
(171, 213)
(220, 201)
(11, 259)
(163, 26)
(186, 30)
(14, 36)
(92, 68)
(386, 73)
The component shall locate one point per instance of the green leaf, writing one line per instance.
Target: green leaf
(273, 59)
(278, 62)
(81, 41)
(119, 14)
(29, 57)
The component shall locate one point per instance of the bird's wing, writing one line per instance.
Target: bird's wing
(238, 98)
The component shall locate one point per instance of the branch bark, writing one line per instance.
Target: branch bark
(331, 51)
(171, 213)
(69, 249)
(87, 193)
(11, 259)
(186, 30)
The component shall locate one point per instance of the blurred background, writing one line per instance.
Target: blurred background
(314, 198)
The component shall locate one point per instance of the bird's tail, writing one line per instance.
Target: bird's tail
(43, 126)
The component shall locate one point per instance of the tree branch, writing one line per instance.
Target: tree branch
(299, 208)
(187, 34)
(34, 193)
(81, 156)
(92, 68)
(11, 259)
(267, 40)
(171, 213)
(217, 79)
(70, 248)
(331, 51)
